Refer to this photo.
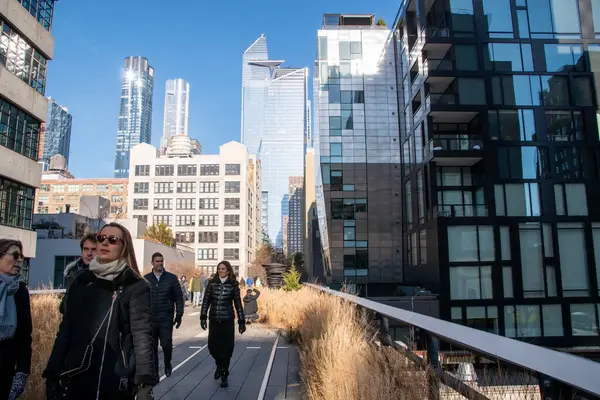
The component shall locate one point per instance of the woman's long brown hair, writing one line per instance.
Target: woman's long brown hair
(230, 272)
(128, 253)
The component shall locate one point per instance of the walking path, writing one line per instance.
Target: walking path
(263, 367)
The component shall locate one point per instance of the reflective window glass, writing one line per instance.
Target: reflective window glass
(499, 19)
(555, 90)
(582, 91)
(564, 57)
(564, 125)
(573, 259)
(526, 162)
(466, 57)
(518, 125)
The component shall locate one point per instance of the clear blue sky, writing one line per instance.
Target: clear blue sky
(199, 41)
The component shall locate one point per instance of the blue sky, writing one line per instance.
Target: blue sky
(199, 41)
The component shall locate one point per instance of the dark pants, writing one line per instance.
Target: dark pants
(252, 317)
(221, 339)
(164, 334)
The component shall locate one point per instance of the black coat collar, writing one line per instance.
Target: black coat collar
(216, 279)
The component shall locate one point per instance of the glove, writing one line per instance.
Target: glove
(145, 393)
(18, 385)
(203, 324)
(52, 389)
(242, 327)
(177, 321)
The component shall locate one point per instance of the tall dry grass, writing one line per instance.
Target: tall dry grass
(339, 359)
(46, 318)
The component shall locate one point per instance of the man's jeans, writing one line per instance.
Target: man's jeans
(197, 299)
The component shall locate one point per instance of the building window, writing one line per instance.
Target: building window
(185, 220)
(423, 246)
(72, 188)
(231, 254)
(185, 204)
(408, 204)
(117, 187)
(22, 59)
(209, 169)
(209, 187)
(60, 263)
(232, 203)
(116, 199)
(514, 125)
(471, 283)
(163, 187)
(208, 204)
(208, 254)
(499, 19)
(140, 204)
(533, 321)
(573, 260)
(208, 220)
(16, 204)
(232, 187)
(537, 263)
(41, 10)
(185, 237)
(470, 243)
(163, 204)
(164, 170)
(232, 169)
(186, 187)
(554, 18)
(141, 218)
(584, 319)
(208, 237)
(142, 170)
(44, 187)
(518, 200)
(564, 58)
(161, 219)
(357, 261)
(564, 126)
(526, 162)
(88, 188)
(58, 188)
(187, 170)
(140, 187)
(232, 220)
(346, 208)
(102, 188)
(570, 199)
(509, 57)
(421, 196)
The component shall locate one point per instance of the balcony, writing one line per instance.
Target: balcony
(455, 151)
(461, 210)
(447, 108)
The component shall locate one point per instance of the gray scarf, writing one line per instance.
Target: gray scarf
(108, 271)
(9, 284)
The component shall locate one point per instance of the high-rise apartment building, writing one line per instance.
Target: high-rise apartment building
(177, 104)
(135, 113)
(274, 126)
(499, 130)
(56, 136)
(211, 202)
(295, 237)
(28, 46)
(358, 154)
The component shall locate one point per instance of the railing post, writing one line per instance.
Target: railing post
(384, 331)
(553, 390)
(433, 359)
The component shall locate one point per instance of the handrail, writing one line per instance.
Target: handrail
(47, 291)
(577, 372)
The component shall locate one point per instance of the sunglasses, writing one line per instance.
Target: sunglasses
(112, 239)
(16, 255)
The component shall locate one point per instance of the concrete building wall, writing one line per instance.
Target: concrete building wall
(144, 250)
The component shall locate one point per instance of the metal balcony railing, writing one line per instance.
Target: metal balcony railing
(462, 210)
(436, 64)
(473, 363)
(455, 144)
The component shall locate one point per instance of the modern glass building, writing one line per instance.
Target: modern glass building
(135, 113)
(56, 132)
(358, 154)
(499, 130)
(274, 126)
(177, 104)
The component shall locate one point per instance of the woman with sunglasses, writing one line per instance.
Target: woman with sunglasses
(221, 296)
(15, 322)
(104, 347)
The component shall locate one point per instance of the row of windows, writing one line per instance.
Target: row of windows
(187, 187)
(19, 131)
(16, 204)
(190, 220)
(187, 204)
(186, 170)
(87, 187)
(346, 208)
(212, 254)
(41, 10)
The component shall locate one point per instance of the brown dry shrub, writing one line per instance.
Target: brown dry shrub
(186, 269)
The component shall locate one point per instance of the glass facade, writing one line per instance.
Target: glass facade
(274, 126)
(177, 104)
(499, 132)
(16, 204)
(19, 131)
(41, 10)
(57, 132)
(135, 114)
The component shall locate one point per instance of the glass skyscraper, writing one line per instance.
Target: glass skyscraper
(135, 114)
(177, 102)
(274, 125)
(56, 134)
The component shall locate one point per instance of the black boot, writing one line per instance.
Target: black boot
(224, 375)
(168, 369)
(217, 373)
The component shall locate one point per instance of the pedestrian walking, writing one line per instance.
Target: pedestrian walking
(221, 296)
(184, 287)
(15, 322)
(167, 308)
(249, 282)
(242, 283)
(251, 305)
(88, 251)
(258, 282)
(104, 348)
(196, 287)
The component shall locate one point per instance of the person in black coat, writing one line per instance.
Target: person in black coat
(221, 295)
(166, 292)
(251, 305)
(15, 322)
(104, 348)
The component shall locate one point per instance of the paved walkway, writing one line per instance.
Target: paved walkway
(263, 363)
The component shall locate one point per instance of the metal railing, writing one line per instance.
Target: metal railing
(455, 144)
(47, 291)
(462, 210)
(548, 374)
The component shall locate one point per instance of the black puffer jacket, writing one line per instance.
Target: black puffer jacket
(221, 298)
(165, 293)
(130, 345)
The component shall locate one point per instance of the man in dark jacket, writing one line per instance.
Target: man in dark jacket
(88, 246)
(251, 305)
(167, 300)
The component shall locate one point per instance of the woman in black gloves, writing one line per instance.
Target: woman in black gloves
(104, 347)
(221, 295)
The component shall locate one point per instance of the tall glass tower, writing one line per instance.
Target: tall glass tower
(135, 114)
(56, 133)
(274, 125)
(177, 102)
